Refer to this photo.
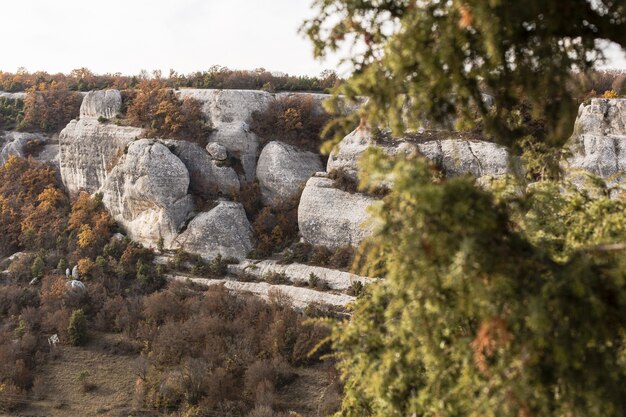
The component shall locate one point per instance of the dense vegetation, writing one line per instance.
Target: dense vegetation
(154, 106)
(11, 113)
(296, 120)
(216, 77)
(504, 300)
(200, 352)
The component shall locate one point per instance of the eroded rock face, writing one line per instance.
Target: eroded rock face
(147, 193)
(208, 177)
(282, 170)
(346, 155)
(598, 144)
(223, 230)
(331, 217)
(454, 156)
(229, 112)
(460, 157)
(89, 150)
(101, 103)
(21, 144)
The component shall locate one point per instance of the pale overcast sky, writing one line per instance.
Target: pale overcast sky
(129, 35)
(186, 35)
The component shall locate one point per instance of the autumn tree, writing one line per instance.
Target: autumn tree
(505, 301)
(155, 107)
(49, 107)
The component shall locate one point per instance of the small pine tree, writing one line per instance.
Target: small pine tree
(77, 328)
(62, 265)
(143, 273)
(38, 267)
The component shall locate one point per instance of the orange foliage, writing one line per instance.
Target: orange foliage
(492, 335)
(49, 107)
(155, 107)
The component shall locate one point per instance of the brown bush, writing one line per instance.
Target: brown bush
(49, 108)
(155, 107)
(296, 120)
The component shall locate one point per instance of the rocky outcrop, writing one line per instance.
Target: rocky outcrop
(331, 217)
(224, 230)
(23, 144)
(299, 273)
(461, 157)
(229, 112)
(101, 104)
(346, 155)
(208, 177)
(147, 193)
(282, 170)
(89, 150)
(12, 96)
(598, 144)
(454, 156)
(299, 297)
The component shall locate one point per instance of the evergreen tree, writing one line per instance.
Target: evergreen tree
(509, 301)
(77, 328)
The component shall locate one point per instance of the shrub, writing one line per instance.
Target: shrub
(77, 328)
(313, 280)
(11, 397)
(49, 108)
(155, 107)
(295, 120)
(276, 278)
(11, 113)
(38, 268)
(342, 257)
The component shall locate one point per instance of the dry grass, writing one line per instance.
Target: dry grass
(111, 376)
(312, 394)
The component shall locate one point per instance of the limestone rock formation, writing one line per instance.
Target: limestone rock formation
(454, 156)
(22, 145)
(345, 156)
(282, 170)
(89, 150)
(12, 96)
(460, 157)
(217, 151)
(598, 144)
(101, 103)
(229, 112)
(147, 193)
(299, 297)
(331, 217)
(224, 230)
(207, 176)
(336, 280)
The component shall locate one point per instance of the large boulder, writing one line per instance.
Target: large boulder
(147, 193)
(229, 112)
(282, 170)
(224, 230)
(330, 217)
(89, 150)
(101, 103)
(208, 177)
(598, 144)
